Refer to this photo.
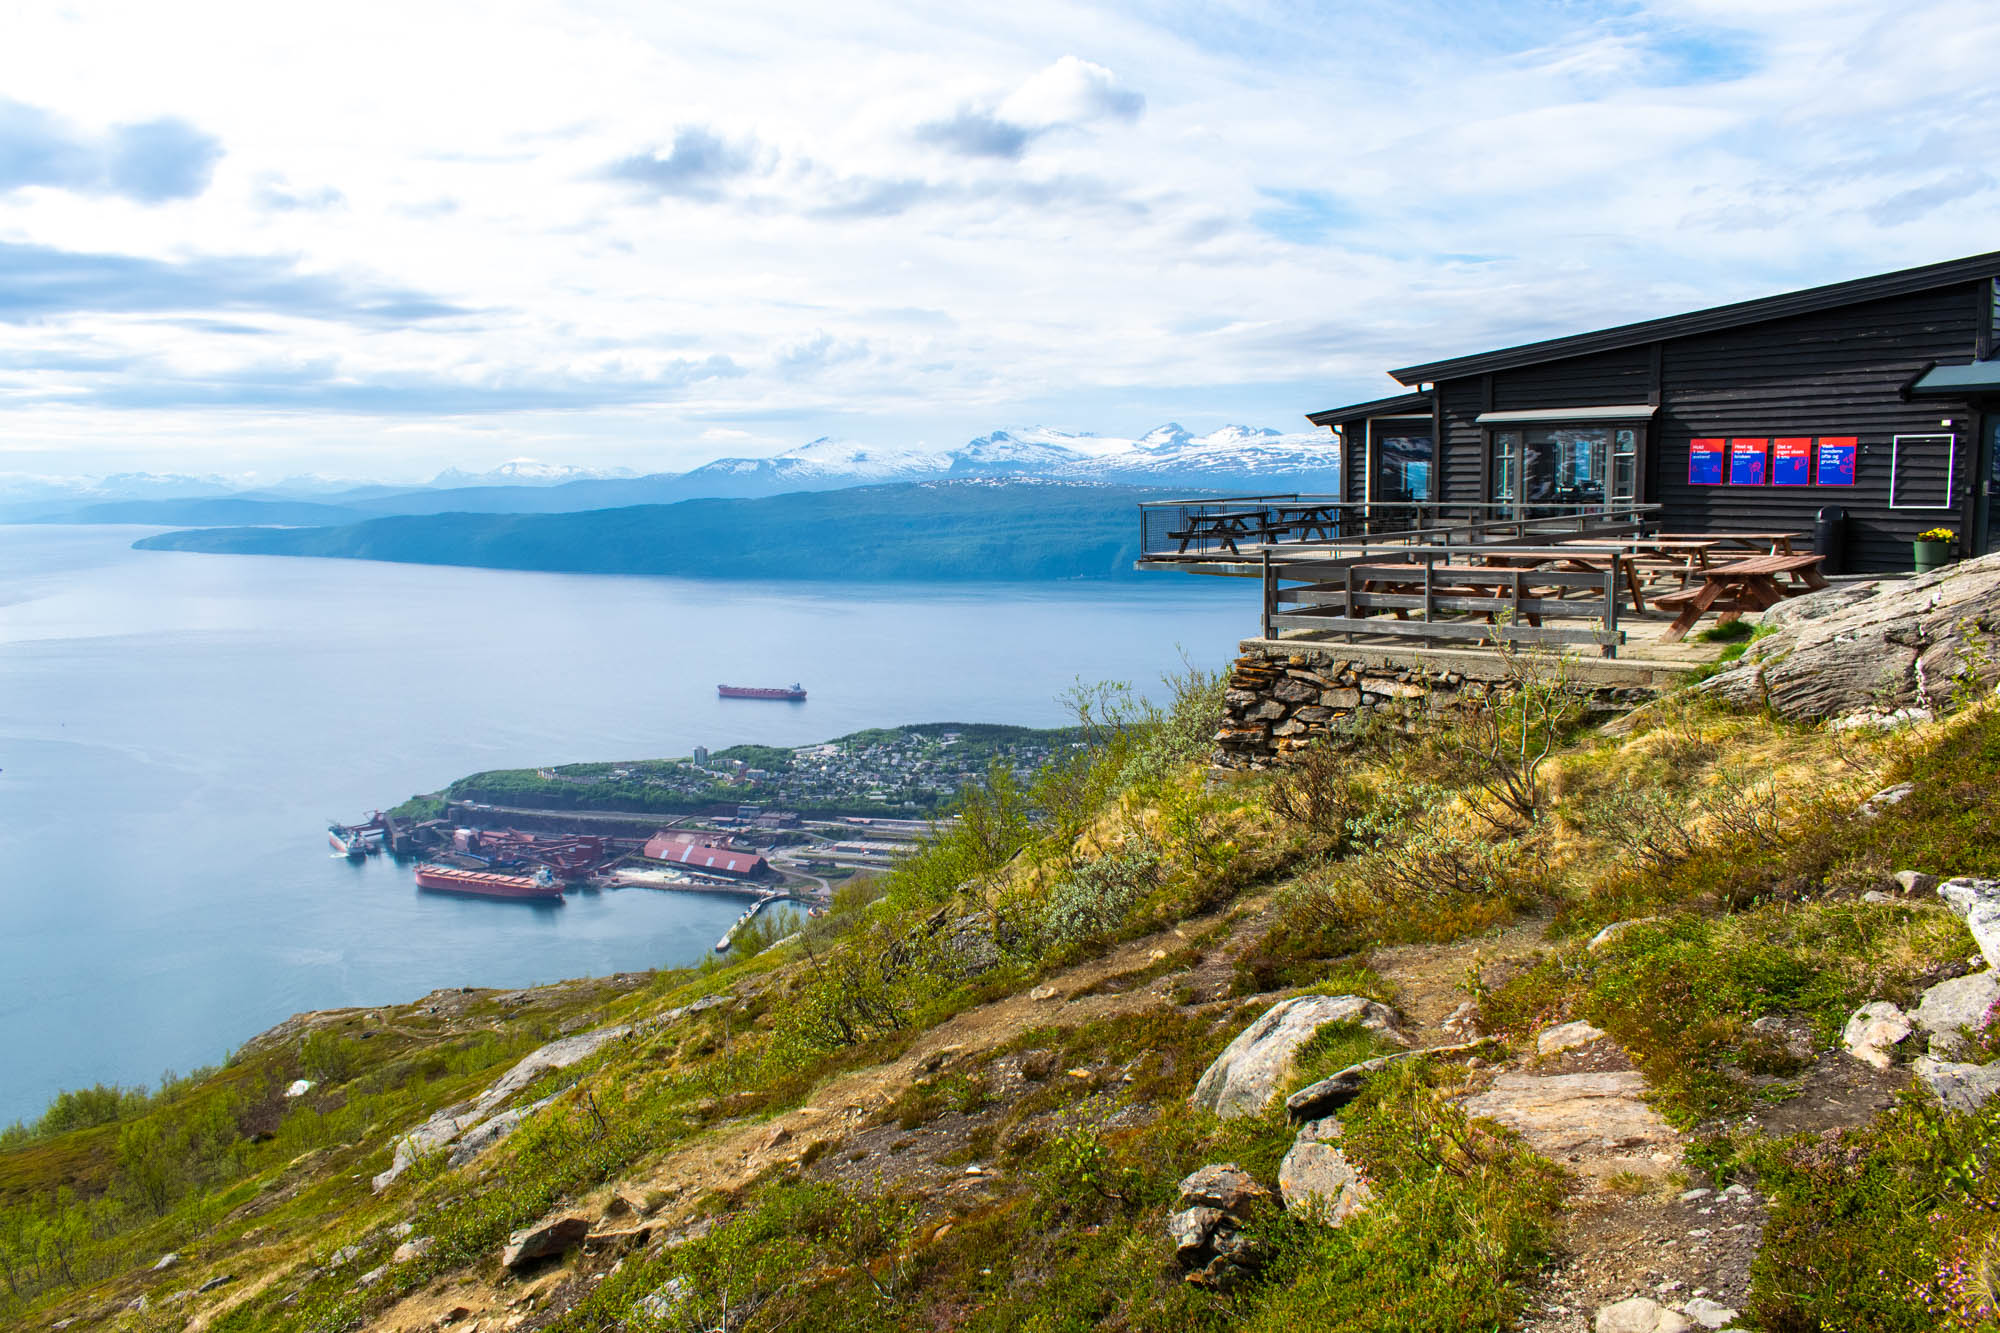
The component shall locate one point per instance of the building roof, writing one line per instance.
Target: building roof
(702, 856)
(1957, 381)
(1853, 292)
(1402, 405)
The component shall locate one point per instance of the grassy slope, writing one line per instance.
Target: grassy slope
(1084, 1124)
(921, 531)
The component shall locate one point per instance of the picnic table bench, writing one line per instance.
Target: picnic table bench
(1224, 526)
(1745, 585)
(1618, 563)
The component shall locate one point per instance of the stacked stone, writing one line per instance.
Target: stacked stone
(1276, 706)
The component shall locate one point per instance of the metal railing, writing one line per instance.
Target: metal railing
(1234, 527)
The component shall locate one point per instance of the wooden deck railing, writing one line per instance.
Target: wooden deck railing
(1209, 528)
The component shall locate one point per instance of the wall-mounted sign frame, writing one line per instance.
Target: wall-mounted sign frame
(1791, 460)
(1705, 461)
(1747, 459)
(1921, 469)
(1833, 459)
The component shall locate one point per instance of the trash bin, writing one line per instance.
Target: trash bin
(1830, 539)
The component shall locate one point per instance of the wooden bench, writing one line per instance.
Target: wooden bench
(1224, 527)
(1746, 585)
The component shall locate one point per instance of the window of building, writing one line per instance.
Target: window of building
(1402, 463)
(1565, 466)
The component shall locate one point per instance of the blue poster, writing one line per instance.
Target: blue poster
(1705, 462)
(1746, 462)
(1836, 459)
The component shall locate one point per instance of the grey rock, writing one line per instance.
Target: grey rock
(1878, 897)
(1462, 1021)
(1958, 1087)
(1873, 647)
(548, 1237)
(1224, 1186)
(1566, 1037)
(220, 1280)
(1880, 803)
(402, 1229)
(1317, 1100)
(1915, 881)
(1249, 1072)
(1873, 1031)
(1952, 1008)
(663, 1301)
(346, 1254)
(411, 1250)
(1708, 1313)
(1874, 719)
(492, 1130)
(1977, 903)
(1192, 1228)
(372, 1276)
(1318, 1181)
(1640, 1314)
(166, 1261)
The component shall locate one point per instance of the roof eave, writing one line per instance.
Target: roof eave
(1340, 416)
(1854, 291)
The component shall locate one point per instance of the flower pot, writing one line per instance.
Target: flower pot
(1932, 555)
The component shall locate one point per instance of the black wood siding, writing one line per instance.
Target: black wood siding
(1838, 372)
(1835, 372)
(1461, 479)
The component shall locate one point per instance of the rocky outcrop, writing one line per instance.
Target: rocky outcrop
(1207, 1226)
(444, 1127)
(1247, 1075)
(1871, 648)
(1566, 1037)
(1599, 1117)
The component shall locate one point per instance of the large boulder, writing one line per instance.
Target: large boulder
(1640, 1314)
(1869, 647)
(1958, 1087)
(1247, 1075)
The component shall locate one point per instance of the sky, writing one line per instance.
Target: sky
(380, 239)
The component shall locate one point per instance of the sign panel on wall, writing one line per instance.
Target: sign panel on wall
(1791, 460)
(1835, 456)
(1705, 462)
(1746, 462)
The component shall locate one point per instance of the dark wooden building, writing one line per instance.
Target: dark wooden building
(1880, 396)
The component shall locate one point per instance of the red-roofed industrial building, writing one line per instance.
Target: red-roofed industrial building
(705, 857)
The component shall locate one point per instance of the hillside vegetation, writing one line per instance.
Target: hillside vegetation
(962, 1098)
(958, 530)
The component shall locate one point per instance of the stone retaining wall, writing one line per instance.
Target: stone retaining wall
(1283, 696)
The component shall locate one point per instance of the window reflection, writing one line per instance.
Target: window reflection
(1567, 466)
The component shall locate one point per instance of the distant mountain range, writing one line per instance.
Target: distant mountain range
(1232, 458)
(982, 528)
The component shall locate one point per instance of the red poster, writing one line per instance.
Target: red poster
(1791, 463)
(1746, 462)
(1705, 462)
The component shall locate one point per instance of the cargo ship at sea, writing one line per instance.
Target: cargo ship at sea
(540, 886)
(796, 693)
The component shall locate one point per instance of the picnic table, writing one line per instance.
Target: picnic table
(1683, 556)
(1620, 563)
(1306, 518)
(1224, 526)
(1771, 543)
(1745, 585)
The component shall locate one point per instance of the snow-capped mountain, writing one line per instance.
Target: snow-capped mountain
(526, 472)
(1167, 453)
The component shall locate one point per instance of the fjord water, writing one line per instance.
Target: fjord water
(176, 729)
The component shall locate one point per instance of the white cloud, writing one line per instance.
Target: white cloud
(600, 232)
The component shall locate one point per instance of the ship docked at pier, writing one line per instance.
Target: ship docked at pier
(796, 694)
(540, 886)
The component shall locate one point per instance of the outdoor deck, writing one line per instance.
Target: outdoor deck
(1433, 579)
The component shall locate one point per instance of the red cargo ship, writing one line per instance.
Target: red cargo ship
(797, 692)
(488, 883)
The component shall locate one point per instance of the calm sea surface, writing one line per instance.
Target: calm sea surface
(176, 729)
